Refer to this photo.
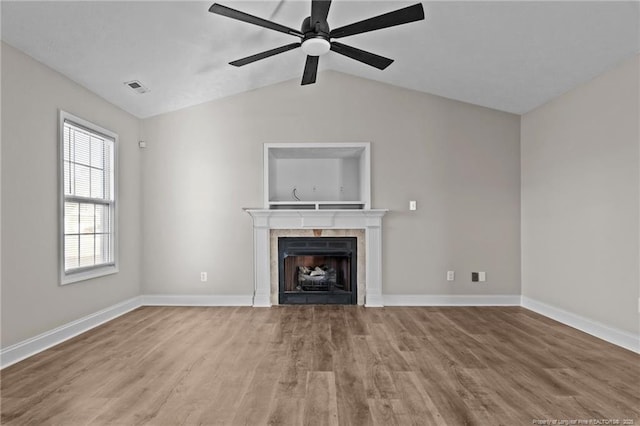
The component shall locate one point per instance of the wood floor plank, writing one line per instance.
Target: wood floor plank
(320, 405)
(350, 391)
(383, 413)
(356, 322)
(323, 348)
(324, 365)
(387, 348)
(375, 376)
(296, 363)
(256, 401)
(416, 405)
(286, 412)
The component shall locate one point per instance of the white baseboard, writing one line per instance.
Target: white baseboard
(450, 300)
(21, 350)
(197, 300)
(14, 353)
(373, 301)
(612, 335)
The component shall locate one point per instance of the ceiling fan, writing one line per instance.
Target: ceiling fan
(316, 36)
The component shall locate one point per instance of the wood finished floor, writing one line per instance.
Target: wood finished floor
(324, 365)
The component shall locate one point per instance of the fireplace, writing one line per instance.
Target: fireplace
(271, 224)
(317, 270)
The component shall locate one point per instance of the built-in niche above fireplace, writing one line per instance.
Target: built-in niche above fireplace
(317, 270)
(315, 176)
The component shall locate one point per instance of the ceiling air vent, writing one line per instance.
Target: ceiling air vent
(137, 86)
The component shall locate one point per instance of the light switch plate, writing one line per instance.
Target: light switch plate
(413, 205)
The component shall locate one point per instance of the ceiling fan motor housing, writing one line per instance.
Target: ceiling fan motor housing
(318, 28)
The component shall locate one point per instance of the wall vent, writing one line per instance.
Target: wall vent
(137, 86)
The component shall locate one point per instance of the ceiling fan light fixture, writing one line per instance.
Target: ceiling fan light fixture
(316, 46)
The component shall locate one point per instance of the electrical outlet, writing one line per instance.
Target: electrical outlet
(474, 277)
(203, 276)
(451, 275)
(482, 276)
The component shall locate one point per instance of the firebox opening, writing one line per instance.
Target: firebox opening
(317, 270)
(317, 273)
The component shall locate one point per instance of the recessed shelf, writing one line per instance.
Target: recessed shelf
(317, 176)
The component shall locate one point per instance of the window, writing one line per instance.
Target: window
(88, 200)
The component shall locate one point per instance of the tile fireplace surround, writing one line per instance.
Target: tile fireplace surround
(268, 225)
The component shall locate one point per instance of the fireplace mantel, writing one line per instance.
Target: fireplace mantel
(265, 219)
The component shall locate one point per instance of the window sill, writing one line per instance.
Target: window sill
(75, 277)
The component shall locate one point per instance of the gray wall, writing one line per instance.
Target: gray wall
(460, 162)
(32, 299)
(580, 200)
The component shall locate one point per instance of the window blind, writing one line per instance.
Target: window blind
(89, 198)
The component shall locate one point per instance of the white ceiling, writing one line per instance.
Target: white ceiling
(511, 56)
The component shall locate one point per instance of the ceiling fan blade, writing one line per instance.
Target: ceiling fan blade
(245, 17)
(391, 19)
(320, 10)
(310, 70)
(263, 55)
(368, 58)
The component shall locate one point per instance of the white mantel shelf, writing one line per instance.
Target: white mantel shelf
(266, 219)
(314, 219)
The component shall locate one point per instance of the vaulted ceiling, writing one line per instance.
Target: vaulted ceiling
(512, 56)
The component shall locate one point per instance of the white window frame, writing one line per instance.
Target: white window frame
(96, 271)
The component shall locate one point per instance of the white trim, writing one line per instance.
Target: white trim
(34, 345)
(373, 300)
(610, 334)
(29, 347)
(451, 300)
(101, 271)
(264, 220)
(197, 300)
